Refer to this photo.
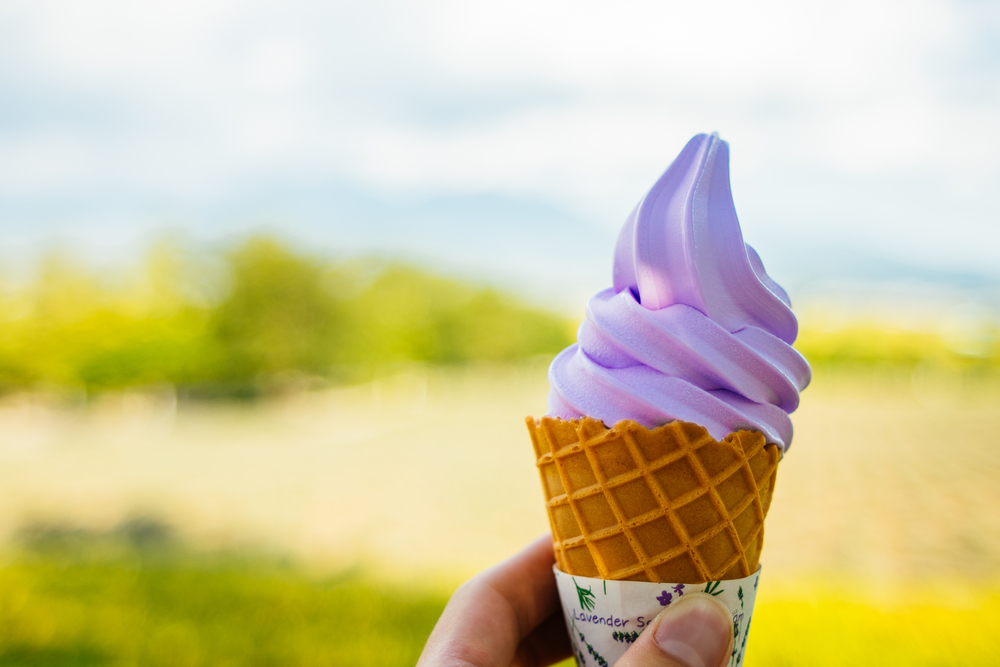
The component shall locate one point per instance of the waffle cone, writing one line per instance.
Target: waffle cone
(669, 504)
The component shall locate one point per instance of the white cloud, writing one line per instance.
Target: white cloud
(579, 104)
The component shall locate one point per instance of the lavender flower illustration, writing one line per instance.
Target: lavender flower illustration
(743, 645)
(679, 589)
(590, 649)
(581, 659)
(712, 588)
(664, 599)
(586, 597)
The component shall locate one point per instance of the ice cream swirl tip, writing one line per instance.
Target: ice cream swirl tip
(693, 327)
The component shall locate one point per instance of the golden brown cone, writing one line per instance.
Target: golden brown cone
(670, 504)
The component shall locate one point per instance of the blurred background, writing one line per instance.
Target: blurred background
(279, 283)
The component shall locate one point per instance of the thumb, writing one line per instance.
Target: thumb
(695, 631)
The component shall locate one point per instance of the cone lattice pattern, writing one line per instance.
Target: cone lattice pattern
(670, 504)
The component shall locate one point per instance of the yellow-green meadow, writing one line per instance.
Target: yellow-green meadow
(341, 519)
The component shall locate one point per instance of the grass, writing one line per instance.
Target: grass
(427, 476)
(120, 606)
(159, 610)
(819, 624)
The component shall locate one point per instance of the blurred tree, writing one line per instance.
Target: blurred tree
(47, 329)
(219, 325)
(280, 313)
(401, 316)
(69, 327)
(156, 329)
(495, 327)
(407, 314)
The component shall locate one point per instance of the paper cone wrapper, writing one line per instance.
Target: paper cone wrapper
(603, 617)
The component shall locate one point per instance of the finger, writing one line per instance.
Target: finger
(695, 631)
(546, 645)
(528, 584)
(489, 615)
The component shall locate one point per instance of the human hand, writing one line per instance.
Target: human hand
(510, 616)
(507, 615)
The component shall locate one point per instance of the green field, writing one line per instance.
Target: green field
(61, 610)
(126, 607)
(820, 623)
(328, 527)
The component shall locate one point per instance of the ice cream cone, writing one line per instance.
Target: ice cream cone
(670, 504)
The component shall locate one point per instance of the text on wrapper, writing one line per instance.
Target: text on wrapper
(611, 621)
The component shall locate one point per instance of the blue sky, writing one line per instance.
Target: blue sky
(506, 141)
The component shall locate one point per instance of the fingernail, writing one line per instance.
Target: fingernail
(695, 630)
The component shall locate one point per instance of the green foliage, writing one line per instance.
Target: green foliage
(872, 344)
(406, 314)
(281, 313)
(139, 609)
(136, 596)
(224, 323)
(70, 328)
(239, 320)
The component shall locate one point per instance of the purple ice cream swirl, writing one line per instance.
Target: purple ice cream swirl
(693, 329)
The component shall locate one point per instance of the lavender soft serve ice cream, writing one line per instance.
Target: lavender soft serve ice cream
(693, 329)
